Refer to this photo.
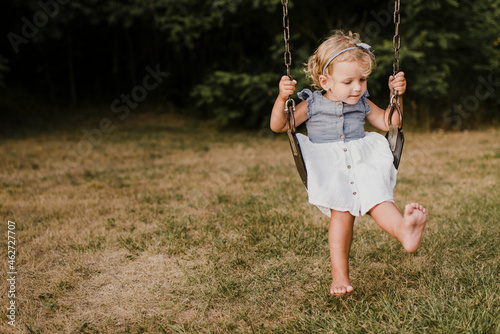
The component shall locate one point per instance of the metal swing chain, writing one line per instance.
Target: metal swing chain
(287, 57)
(396, 40)
(396, 44)
(286, 35)
(290, 103)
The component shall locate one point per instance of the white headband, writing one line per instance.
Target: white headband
(363, 46)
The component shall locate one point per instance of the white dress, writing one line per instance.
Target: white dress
(348, 169)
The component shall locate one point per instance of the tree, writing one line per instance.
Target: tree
(225, 57)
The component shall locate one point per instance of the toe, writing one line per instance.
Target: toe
(341, 290)
(408, 209)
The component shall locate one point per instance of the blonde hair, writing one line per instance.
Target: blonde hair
(333, 44)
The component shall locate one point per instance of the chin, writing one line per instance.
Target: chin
(353, 99)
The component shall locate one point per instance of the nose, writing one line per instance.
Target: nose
(357, 87)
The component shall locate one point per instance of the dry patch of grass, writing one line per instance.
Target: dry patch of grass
(170, 226)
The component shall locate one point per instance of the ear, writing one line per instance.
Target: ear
(325, 82)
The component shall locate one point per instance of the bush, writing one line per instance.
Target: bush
(237, 98)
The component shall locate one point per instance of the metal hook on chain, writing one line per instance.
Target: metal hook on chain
(395, 106)
(290, 110)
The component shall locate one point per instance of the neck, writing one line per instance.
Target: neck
(329, 95)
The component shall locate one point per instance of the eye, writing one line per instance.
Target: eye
(347, 82)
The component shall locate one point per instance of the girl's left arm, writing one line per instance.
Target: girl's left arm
(379, 117)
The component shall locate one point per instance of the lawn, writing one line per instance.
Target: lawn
(166, 225)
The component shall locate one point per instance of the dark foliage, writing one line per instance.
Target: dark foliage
(224, 58)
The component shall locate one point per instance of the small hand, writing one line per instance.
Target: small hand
(398, 83)
(287, 87)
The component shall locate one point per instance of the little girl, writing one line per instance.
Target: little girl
(350, 172)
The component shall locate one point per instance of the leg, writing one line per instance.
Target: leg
(408, 229)
(339, 239)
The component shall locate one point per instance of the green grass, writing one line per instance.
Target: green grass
(169, 226)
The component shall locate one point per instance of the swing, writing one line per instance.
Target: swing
(290, 103)
(394, 136)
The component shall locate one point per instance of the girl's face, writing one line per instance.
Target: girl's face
(347, 84)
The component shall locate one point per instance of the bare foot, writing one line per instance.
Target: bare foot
(340, 234)
(341, 287)
(413, 226)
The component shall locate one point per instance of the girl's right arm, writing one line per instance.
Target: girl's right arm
(278, 116)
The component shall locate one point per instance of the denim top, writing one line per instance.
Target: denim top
(330, 121)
